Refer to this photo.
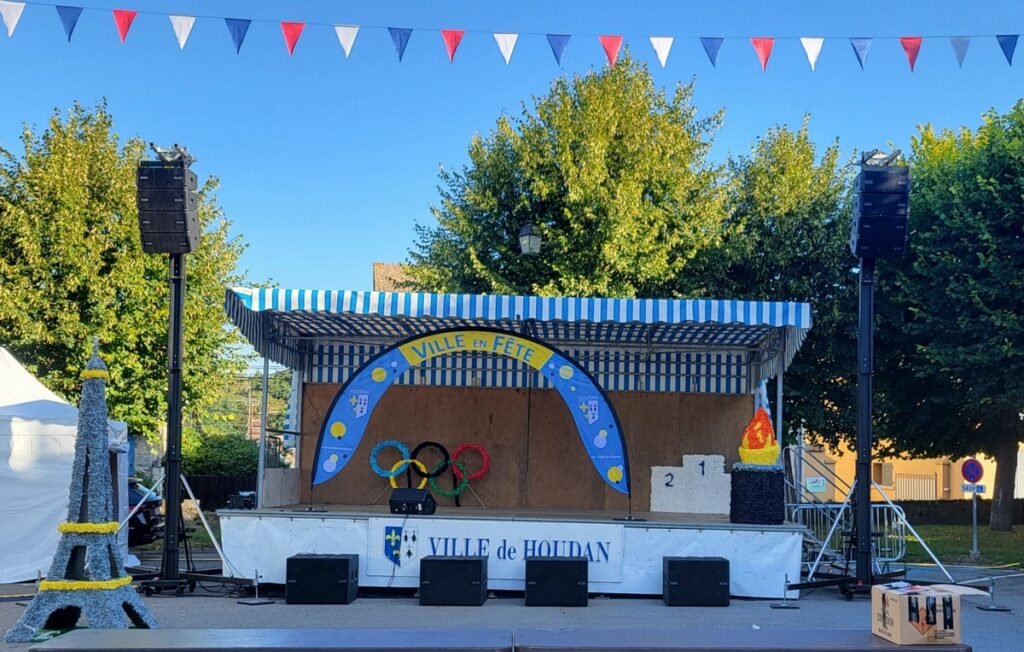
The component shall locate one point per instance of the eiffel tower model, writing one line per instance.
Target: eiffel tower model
(87, 574)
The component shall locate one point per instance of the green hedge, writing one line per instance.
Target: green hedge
(219, 455)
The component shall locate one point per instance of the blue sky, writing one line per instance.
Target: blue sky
(326, 163)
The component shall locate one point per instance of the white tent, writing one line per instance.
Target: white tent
(37, 449)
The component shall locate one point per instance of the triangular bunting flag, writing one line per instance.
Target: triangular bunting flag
(960, 45)
(182, 26)
(763, 48)
(68, 18)
(662, 46)
(911, 45)
(611, 44)
(123, 19)
(238, 28)
(1008, 43)
(400, 37)
(11, 14)
(812, 46)
(346, 36)
(452, 38)
(711, 47)
(506, 43)
(291, 32)
(861, 46)
(558, 43)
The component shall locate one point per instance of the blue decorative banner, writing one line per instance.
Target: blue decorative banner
(1008, 43)
(238, 27)
(558, 43)
(400, 37)
(68, 18)
(595, 419)
(711, 47)
(860, 48)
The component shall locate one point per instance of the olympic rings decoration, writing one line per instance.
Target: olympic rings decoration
(404, 463)
(440, 468)
(485, 464)
(451, 493)
(389, 443)
(449, 461)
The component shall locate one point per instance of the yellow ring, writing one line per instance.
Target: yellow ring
(88, 528)
(419, 465)
(71, 585)
(95, 373)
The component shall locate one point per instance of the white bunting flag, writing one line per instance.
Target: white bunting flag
(346, 36)
(182, 26)
(662, 45)
(11, 13)
(812, 46)
(506, 43)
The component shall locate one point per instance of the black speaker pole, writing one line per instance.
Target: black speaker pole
(172, 483)
(865, 370)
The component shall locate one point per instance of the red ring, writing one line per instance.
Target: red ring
(479, 473)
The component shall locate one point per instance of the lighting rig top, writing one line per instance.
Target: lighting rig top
(879, 158)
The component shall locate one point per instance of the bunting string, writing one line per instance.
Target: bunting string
(13, 11)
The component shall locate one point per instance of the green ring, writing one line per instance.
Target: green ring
(450, 493)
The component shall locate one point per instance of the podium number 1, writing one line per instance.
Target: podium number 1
(702, 468)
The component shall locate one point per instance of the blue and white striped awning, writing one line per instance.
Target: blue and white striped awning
(629, 344)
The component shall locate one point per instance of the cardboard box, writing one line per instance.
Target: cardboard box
(918, 615)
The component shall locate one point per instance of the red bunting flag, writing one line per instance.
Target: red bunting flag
(123, 19)
(611, 44)
(452, 38)
(292, 32)
(911, 45)
(763, 47)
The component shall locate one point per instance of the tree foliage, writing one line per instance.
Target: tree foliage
(219, 455)
(786, 239)
(610, 169)
(951, 353)
(71, 267)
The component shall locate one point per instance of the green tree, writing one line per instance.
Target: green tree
(71, 267)
(610, 169)
(951, 316)
(786, 239)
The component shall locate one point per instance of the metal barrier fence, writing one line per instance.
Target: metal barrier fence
(887, 525)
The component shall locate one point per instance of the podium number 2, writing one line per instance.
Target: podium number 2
(669, 478)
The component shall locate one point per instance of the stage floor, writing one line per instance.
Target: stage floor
(640, 519)
(625, 555)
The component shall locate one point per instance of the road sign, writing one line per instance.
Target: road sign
(969, 488)
(972, 470)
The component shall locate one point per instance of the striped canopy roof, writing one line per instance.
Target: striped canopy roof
(293, 327)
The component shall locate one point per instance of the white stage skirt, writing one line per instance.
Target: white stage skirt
(625, 556)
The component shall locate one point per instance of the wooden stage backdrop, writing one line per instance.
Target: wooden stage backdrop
(537, 458)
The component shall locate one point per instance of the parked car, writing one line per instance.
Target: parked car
(147, 524)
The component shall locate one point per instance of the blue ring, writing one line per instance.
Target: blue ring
(389, 443)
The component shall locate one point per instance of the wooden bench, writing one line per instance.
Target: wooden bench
(275, 640)
(713, 640)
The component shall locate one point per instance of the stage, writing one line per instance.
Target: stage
(625, 556)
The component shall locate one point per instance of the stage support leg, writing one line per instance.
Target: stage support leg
(261, 464)
(865, 369)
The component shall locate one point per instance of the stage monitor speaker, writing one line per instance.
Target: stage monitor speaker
(168, 207)
(695, 581)
(412, 502)
(321, 579)
(881, 212)
(556, 581)
(453, 581)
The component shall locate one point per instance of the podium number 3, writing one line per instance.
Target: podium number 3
(668, 479)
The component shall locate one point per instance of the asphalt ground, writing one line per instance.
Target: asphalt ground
(212, 607)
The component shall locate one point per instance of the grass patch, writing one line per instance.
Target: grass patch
(952, 544)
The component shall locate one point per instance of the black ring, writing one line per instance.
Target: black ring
(440, 468)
